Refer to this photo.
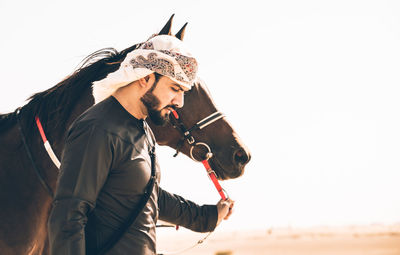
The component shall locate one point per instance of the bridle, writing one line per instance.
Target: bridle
(187, 133)
(177, 123)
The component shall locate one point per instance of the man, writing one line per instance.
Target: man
(106, 164)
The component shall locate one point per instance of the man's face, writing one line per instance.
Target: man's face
(161, 98)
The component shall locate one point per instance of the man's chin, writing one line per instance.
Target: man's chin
(158, 117)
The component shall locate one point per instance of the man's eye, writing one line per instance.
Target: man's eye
(174, 89)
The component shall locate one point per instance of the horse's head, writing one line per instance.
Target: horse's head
(230, 155)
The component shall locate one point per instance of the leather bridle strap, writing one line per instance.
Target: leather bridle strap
(207, 121)
(187, 133)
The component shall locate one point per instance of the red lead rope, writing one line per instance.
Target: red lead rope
(214, 179)
(41, 131)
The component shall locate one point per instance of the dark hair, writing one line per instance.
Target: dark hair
(157, 77)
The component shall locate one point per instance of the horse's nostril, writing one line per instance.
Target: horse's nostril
(241, 157)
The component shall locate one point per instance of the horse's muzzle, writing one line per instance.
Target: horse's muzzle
(241, 157)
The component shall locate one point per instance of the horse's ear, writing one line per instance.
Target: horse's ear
(166, 30)
(181, 32)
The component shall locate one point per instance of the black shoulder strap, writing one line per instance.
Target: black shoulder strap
(149, 189)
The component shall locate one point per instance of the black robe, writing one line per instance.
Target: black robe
(105, 168)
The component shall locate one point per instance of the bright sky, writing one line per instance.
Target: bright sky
(312, 88)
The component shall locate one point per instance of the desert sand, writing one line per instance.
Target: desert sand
(350, 240)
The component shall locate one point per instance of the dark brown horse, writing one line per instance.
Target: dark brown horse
(25, 202)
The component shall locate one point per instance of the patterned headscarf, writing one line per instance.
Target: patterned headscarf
(162, 54)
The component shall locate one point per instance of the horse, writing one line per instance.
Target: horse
(28, 176)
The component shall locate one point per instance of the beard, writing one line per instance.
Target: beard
(152, 104)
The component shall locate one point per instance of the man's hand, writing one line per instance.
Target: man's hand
(225, 209)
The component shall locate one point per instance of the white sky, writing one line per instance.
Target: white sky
(310, 86)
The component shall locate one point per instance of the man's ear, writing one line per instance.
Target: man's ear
(147, 80)
(143, 82)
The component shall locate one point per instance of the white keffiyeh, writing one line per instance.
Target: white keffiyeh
(162, 54)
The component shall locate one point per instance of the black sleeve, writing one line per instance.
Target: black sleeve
(85, 165)
(185, 213)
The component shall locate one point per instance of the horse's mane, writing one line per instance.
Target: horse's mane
(57, 102)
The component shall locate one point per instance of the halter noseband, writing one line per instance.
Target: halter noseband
(187, 133)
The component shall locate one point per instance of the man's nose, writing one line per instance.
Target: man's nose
(178, 100)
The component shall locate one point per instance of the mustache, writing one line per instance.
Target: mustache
(173, 107)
